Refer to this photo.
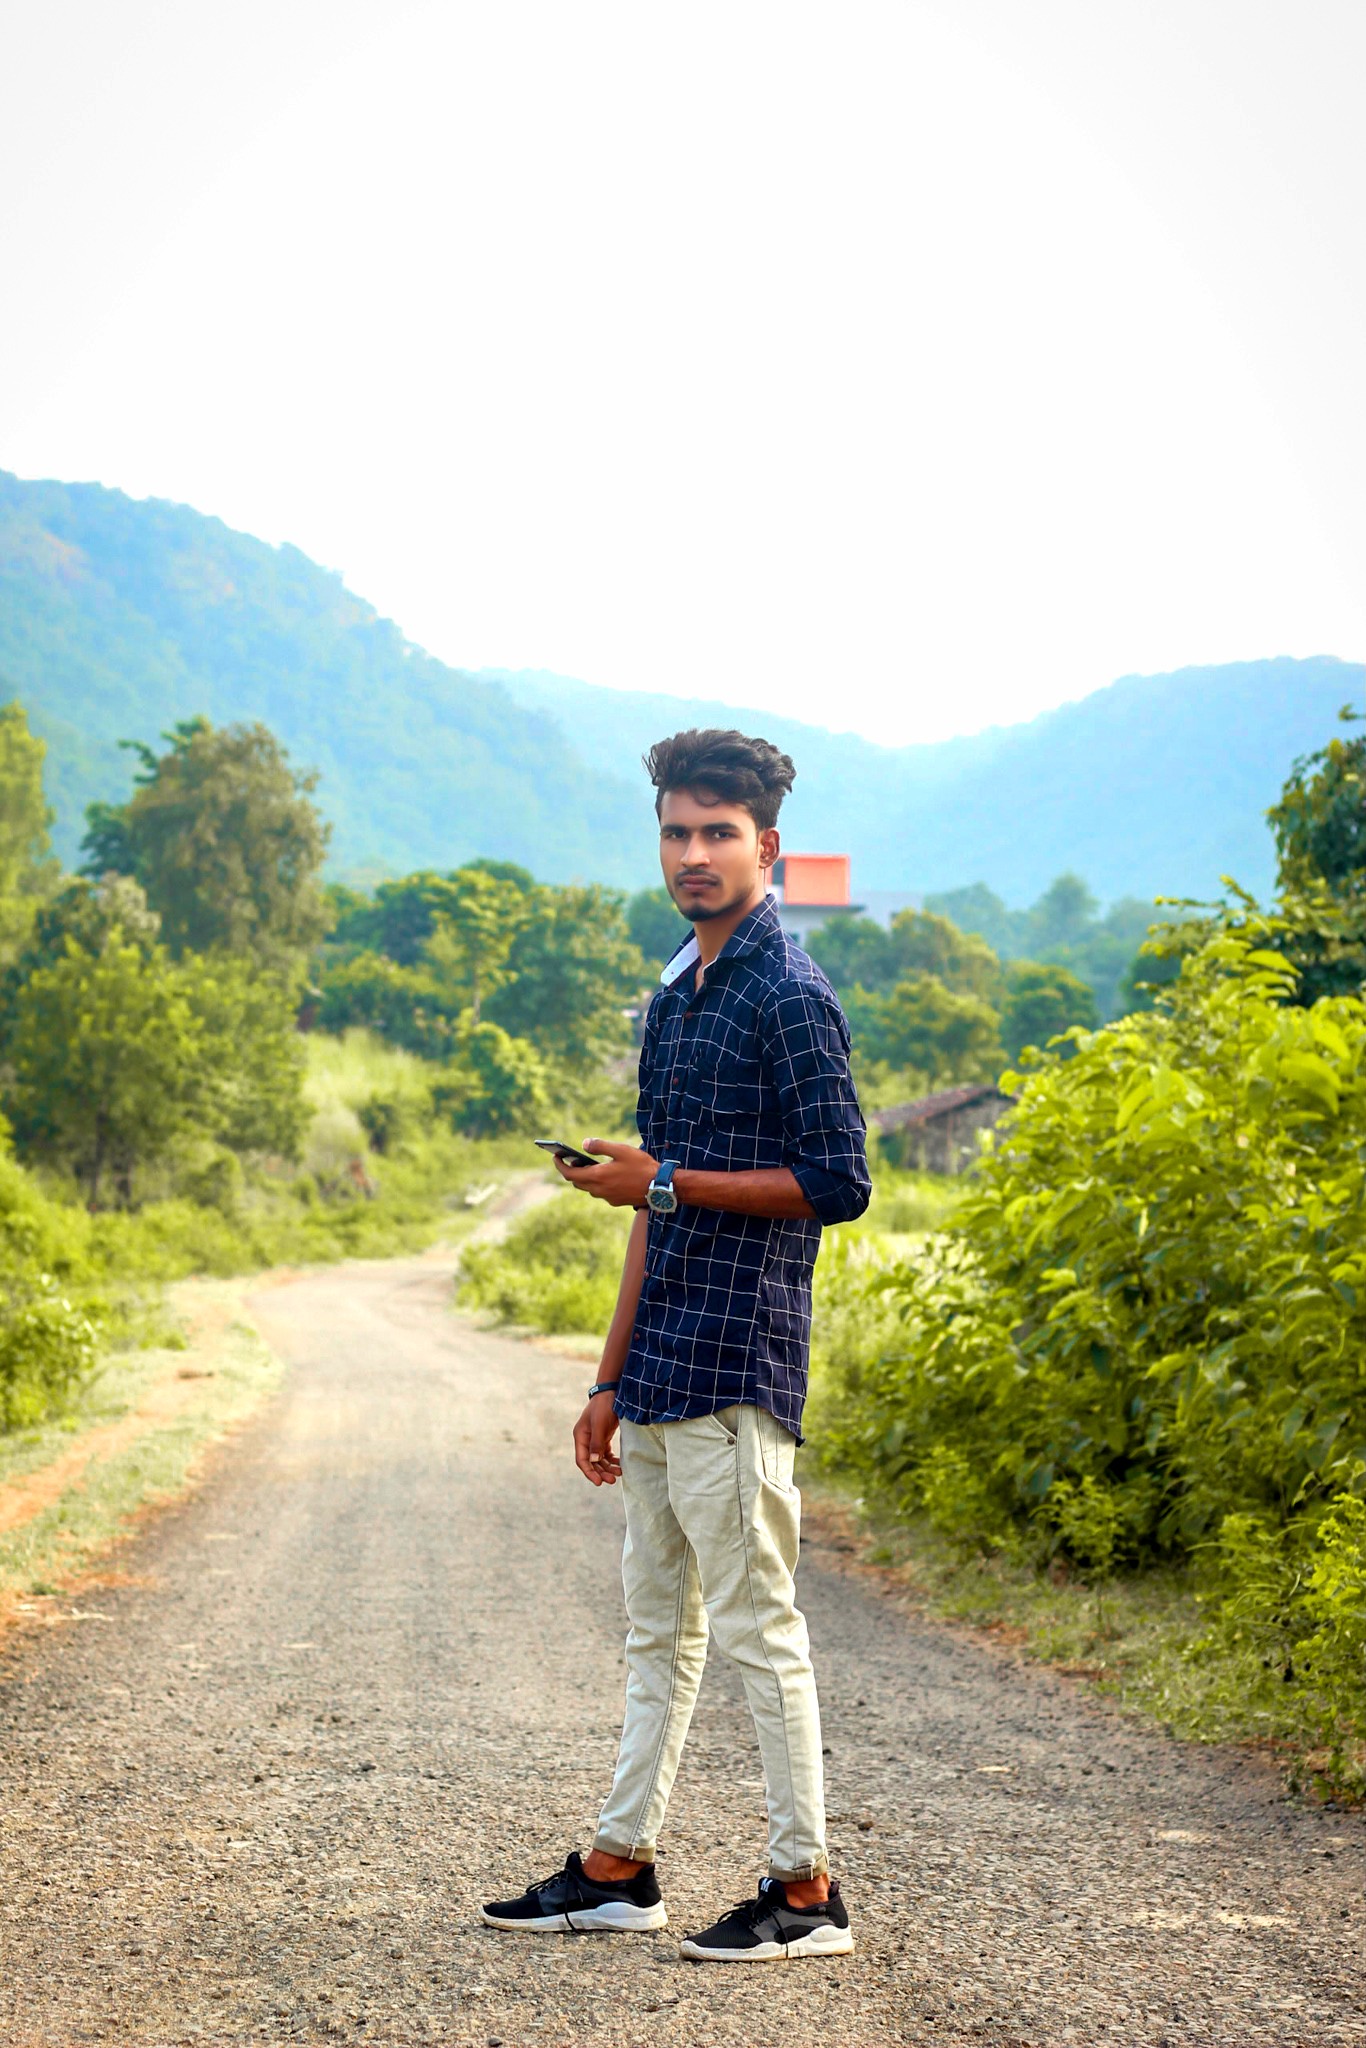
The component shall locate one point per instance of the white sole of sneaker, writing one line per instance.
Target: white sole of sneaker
(822, 1941)
(613, 1918)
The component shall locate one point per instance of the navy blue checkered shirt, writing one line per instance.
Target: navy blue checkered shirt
(750, 1071)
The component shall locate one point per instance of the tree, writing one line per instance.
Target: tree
(108, 1063)
(656, 924)
(494, 1084)
(1319, 822)
(406, 1005)
(1042, 1001)
(26, 871)
(254, 1056)
(1062, 915)
(1320, 830)
(83, 914)
(572, 970)
(118, 1054)
(920, 942)
(221, 833)
(855, 952)
(976, 908)
(474, 933)
(927, 1032)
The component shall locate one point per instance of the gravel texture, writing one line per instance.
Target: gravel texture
(371, 1673)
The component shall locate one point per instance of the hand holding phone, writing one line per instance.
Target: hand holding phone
(571, 1154)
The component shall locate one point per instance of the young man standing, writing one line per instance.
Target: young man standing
(751, 1140)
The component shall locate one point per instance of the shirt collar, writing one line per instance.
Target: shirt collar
(749, 934)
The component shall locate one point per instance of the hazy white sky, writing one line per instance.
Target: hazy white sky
(911, 366)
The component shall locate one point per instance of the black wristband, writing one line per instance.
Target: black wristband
(603, 1387)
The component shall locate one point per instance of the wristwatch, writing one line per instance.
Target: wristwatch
(660, 1194)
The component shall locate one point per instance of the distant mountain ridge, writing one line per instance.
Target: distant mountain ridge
(118, 617)
(1155, 785)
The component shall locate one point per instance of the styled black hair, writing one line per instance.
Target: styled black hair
(741, 770)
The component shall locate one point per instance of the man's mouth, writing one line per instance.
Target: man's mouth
(697, 882)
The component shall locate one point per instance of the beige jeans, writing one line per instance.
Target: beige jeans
(711, 1542)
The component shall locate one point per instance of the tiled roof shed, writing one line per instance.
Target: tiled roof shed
(938, 1132)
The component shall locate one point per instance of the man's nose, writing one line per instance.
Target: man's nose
(696, 854)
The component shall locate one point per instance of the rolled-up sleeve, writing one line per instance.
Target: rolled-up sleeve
(806, 1053)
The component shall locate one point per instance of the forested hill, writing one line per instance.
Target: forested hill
(119, 617)
(1154, 785)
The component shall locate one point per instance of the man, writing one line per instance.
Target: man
(752, 1139)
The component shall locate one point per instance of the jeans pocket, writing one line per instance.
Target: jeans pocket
(724, 1422)
(778, 1450)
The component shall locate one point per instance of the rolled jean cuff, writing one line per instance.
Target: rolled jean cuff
(819, 1866)
(638, 1852)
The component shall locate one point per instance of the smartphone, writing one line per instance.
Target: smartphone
(570, 1154)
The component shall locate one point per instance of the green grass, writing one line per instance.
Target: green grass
(1144, 1639)
(155, 1464)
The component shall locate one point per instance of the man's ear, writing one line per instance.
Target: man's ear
(770, 846)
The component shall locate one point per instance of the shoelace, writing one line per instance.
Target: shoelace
(750, 1912)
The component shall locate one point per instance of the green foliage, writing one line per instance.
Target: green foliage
(572, 970)
(558, 1269)
(854, 952)
(120, 1055)
(47, 1324)
(656, 924)
(1319, 822)
(1041, 1003)
(1293, 1599)
(47, 1347)
(474, 934)
(553, 967)
(221, 834)
(857, 953)
(1064, 928)
(922, 1036)
(1157, 1280)
(494, 1084)
(407, 1005)
(26, 871)
(1320, 830)
(1147, 1311)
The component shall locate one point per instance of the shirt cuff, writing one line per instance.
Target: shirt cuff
(833, 1198)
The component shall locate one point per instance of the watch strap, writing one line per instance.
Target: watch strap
(602, 1387)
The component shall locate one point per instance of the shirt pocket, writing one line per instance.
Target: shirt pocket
(732, 1121)
(715, 1087)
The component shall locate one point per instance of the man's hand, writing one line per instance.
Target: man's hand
(593, 1434)
(622, 1179)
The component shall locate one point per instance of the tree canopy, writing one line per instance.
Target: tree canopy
(222, 834)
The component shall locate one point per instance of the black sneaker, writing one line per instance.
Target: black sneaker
(570, 1903)
(767, 1930)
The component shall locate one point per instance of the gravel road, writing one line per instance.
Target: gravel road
(372, 1672)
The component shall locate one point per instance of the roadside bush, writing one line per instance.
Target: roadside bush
(47, 1347)
(1140, 1337)
(1157, 1281)
(557, 1269)
(1293, 1602)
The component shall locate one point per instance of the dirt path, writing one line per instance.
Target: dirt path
(373, 1671)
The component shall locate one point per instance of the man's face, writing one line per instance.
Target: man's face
(712, 853)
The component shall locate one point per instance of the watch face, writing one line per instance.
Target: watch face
(663, 1200)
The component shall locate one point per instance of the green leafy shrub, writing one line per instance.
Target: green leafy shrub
(1293, 1600)
(1157, 1281)
(557, 1270)
(1141, 1336)
(47, 1348)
